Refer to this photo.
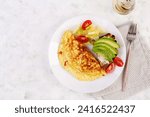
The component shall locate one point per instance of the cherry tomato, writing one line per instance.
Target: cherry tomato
(82, 39)
(110, 68)
(118, 61)
(86, 24)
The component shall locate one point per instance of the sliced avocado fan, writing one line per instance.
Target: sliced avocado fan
(106, 47)
(109, 41)
(112, 49)
(104, 54)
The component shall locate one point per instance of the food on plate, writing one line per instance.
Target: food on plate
(89, 52)
(110, 68)
(86, 24)
(82, 39)
(91, 32)
(106, 47)
(75, 57)
(118, 61)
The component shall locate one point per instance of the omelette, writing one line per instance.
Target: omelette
(75, 58)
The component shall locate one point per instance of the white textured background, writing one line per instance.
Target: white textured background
(26, 27)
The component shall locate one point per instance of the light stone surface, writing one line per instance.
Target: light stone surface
(26, 27)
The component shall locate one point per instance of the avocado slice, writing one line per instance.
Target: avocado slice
(113, 50)
(106, 53)
(108, 41)
(111, 54)
(108, 38)
(103, 54)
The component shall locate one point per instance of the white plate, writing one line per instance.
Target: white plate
(66, 78)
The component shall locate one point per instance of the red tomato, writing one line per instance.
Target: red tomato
(118, 61)
(86, 24)
(110, 68)
(82, 39)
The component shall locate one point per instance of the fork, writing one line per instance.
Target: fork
(131, 36)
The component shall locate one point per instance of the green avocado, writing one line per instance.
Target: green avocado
(108, 41)
(105, 52)
(109, 47)
(111, 54)
(108, 38)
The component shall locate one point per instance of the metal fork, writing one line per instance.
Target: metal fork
(131, 36)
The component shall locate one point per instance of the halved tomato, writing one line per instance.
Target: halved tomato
(118, 61)
(110, 68)
(82, 39)
(86, 24)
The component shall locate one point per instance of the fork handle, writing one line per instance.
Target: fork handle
(125, 74)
